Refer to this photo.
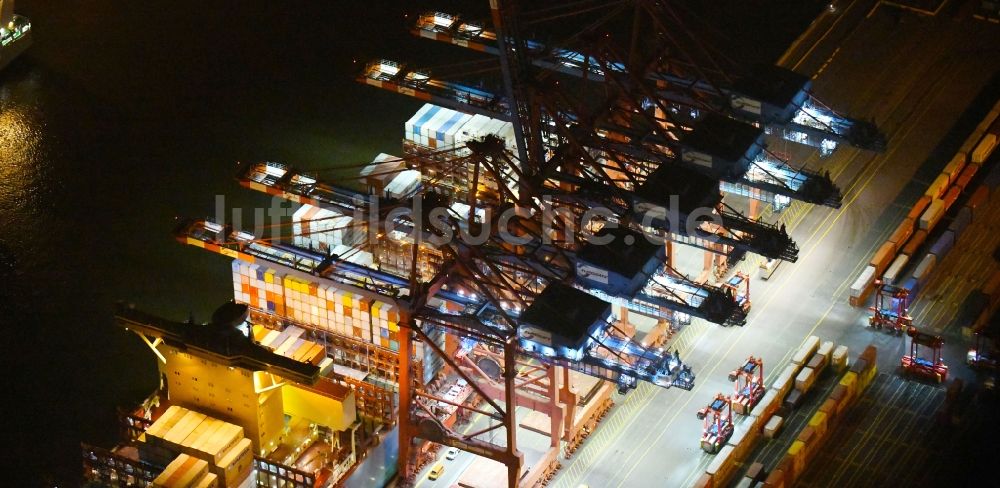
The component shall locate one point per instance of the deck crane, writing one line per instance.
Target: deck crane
(652, 181)
(741, 162)
(749, 382)
(931, 368)
(890, 308)
(718, 423)
(777, 98)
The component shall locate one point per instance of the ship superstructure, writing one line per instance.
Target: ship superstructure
(15, 33)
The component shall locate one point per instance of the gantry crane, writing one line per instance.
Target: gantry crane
(702, 148)
(931, 368)
(718, 423)
(890, 308)
(749, 382)
(653, 285)
(633, 175)
(775, 97)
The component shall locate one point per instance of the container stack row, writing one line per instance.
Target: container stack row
(221, 445)
(965, 219)
(813, 435)
(438, 127)
(323, 306)
(324, 230)
(899, 252)
(811, 358)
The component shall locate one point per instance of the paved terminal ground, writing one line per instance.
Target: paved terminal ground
(897, 436)
(916, 76)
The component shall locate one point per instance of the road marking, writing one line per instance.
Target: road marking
(825, 34)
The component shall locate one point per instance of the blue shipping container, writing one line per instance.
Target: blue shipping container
(943, 244)
(913, 286)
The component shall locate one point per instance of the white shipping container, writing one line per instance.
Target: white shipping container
(864, 279)
(434, 129)
(806, 351)
(404, 184)
(984, 148)
(925, 267)
(382, 169)
(474, 129)
(412, 126)
(892, 274)
(932, 215)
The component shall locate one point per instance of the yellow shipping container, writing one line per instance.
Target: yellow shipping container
(796, 453)
(850, 382)
(819, 423)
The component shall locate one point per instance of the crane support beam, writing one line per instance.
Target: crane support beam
(803, 119)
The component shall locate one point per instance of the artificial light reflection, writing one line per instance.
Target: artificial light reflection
(20, 171)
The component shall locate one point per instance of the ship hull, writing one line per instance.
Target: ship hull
(11, 51)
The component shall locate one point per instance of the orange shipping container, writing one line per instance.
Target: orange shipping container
(902, 232)
(883, 257)
(914, 243)
(704, 481)
(918, 208)
(954, 167)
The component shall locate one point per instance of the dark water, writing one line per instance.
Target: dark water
(126, 114)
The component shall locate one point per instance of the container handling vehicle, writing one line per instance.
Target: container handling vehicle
(931, 368)
(890, 308)
(749, 382)
(718, 427)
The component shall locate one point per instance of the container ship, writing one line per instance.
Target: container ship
(295, 382)
(15, 33)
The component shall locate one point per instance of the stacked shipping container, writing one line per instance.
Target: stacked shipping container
(898, 251)
(327, 308)
(324, 230)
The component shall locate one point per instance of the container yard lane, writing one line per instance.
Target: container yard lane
(896, 67)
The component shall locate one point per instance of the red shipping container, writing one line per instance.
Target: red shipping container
(978, 197)
(966, 175)
(951, 196)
